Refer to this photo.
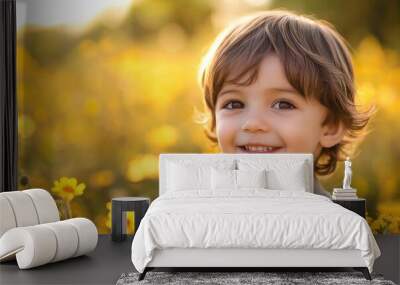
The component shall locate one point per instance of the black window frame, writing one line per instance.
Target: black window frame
(8, 98)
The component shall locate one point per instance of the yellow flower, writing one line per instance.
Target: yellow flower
(130, 219)
(384, 224)
(68, 188)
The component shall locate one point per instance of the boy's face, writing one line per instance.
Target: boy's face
(269, 116)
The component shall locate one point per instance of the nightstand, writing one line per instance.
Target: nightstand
(356, 205)
(119, 207)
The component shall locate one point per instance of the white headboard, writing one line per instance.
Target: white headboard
(209, 157)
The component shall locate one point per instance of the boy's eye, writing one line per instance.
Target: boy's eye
(233, 105)
(283, 105)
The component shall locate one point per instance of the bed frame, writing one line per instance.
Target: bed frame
(246, 258)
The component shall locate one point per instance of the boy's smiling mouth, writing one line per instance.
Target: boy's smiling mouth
(258, 148)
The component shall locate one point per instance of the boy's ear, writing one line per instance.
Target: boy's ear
(332, 134)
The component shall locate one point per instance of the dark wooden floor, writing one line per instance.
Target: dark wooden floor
(111, 259)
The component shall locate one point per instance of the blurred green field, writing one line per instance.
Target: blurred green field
(99, 105)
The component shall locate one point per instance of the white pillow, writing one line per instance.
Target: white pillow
(251, 178)
(293, 179)
(280, 174)
(228, 179)
(223, 179)
(187, 177)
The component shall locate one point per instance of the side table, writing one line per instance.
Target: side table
(119, 207)
(356, 205)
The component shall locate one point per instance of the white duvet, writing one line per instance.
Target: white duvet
(252, 218)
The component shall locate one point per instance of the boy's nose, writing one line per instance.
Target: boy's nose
(255, 124)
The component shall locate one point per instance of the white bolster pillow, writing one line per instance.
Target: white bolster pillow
(33, 246)
(40, 244)
(26, 208)
(87, 235)
(66, 239)
(45, 205)
(7, 218)
(23, 209)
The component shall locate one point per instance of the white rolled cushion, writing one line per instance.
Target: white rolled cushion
(7, 218)
(45, 205)
(223, 179)
(23, 208)
(186, 177)
(40, 244)
(33, 245)
(251, 178)
(87, 235)
(66, 238)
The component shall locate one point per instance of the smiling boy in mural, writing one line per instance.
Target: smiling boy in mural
(276, 82)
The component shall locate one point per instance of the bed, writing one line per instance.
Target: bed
(241, 210)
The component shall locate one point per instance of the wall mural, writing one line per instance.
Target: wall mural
(104, 88)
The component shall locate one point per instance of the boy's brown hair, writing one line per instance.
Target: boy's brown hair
(316, 61)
